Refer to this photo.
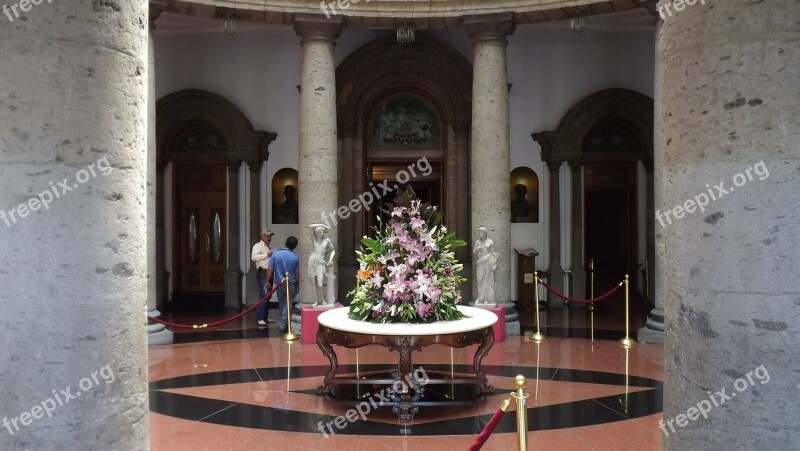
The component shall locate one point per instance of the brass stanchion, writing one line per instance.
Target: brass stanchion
(288, 336)
(522, 412)
(591, 296)
(627, 342)
(538, 336)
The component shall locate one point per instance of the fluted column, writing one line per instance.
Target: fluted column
(490, 149)
(233, 276)
(577, 268)
(254, 223)
(556, 278)
(463, 205)
(318, 176)
(727, 118)
(73, 225)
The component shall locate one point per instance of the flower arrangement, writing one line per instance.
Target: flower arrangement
(408, 273)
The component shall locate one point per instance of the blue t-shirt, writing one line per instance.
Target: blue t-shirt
(284, 260)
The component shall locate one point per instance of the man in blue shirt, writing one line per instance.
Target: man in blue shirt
(283, 261)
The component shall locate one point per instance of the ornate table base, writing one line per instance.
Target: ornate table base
(404, 376)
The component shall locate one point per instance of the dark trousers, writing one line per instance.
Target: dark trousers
(261, 312)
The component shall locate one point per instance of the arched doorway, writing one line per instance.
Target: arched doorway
(607, 139)
(432, 81)
(202, 140)
(405, 147)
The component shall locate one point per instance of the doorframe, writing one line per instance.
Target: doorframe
(634, 112)
(442, 75)
(633, 213)
(176, 115)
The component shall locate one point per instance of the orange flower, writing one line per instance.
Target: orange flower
(364, 275)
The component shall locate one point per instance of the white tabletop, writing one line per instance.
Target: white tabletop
(475, 319)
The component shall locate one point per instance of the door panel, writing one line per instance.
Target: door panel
(199, 232)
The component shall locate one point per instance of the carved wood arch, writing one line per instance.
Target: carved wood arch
(629, 110)
(184, 110)
(231, 140)
(632, 114)
(429, 68)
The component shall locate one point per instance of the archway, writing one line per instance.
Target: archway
(439, 78)
(603, 138)
(202, 139)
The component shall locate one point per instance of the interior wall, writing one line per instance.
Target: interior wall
(550, 69)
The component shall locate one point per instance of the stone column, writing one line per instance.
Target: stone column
(233, 276)
(556, 278)
(74, 225)
(653, 331)
(728, 116)
(577, 268)
(490, 149)
(157, 334)
(317, 168)
(254, 218)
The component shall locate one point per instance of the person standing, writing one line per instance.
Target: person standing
(261, 255)
(284, 261)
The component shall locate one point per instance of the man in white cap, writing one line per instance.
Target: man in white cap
(260, 255)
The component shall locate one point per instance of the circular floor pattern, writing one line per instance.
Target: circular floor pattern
(608, 409)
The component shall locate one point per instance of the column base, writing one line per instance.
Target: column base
(251, 292)
(653, 331)
(577, 283)
(555, 280)
(511, 311)
(233, 289)
(157, 334)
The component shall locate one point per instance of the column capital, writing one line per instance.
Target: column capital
(553, 165)
(155, 8)
(254, 167)
(462, 125)
(490, 27)
(317, 27)
(347, 129)
(575, 165)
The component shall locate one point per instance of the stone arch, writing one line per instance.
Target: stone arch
(428, 67)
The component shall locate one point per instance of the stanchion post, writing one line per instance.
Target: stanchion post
(288, 336)
(627, 342)
(522, 412)
(538, 336)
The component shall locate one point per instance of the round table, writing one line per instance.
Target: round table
(335, 328)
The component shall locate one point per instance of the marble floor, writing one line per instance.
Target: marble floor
(243, 388)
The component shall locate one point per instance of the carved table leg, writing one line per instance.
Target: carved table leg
(327, 349)
(487, 344)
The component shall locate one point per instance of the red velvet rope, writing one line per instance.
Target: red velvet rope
(487, 430)
(581, 301)
(221, 322)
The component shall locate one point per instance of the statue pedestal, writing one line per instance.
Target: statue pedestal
(309, 321)
(500, 326)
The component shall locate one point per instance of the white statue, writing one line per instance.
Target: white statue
(486, 266)
(320, 265)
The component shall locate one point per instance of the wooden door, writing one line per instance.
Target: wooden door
(610, 219)
(201, 247)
